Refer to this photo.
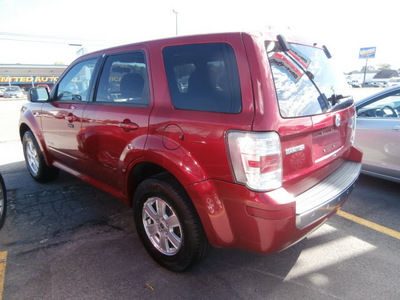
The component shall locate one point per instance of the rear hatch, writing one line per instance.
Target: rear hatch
(317, 113)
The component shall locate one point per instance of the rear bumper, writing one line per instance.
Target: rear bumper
(235, 217)
(326, 196)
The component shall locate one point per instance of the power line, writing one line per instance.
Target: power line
(26, 37)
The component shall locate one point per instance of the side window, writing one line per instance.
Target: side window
(203, 77)
(386, 107)
(124, 80)
(75, 85)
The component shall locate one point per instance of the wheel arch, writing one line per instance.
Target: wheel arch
(23, 128)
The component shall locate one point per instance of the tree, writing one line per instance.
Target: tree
(369, 68)
(384, 66)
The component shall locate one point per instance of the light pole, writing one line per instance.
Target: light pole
(176, 21)
(82, 50)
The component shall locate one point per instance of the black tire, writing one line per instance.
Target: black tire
(175, 239)
(3, 202)
(35, 161)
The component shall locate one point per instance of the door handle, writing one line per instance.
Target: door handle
(71, 118)
(396, 128)
(127, 125)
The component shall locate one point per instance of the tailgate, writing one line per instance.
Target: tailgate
(317, 120)
(332, 134)
(314, 147)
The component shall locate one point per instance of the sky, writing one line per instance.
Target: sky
(48, 31)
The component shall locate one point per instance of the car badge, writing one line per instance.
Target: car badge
(337, 120)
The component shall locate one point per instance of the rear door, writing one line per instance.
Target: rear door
(115, 124)
(61, 117)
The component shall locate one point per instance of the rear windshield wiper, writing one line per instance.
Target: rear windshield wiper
(286, 48)
(340, 102)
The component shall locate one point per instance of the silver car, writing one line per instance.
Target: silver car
(378, 134)
(13, 92)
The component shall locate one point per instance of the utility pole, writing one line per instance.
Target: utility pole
(176, 21)
(365, 70)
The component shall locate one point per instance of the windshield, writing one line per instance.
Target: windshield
(13, 89)
(305, 80)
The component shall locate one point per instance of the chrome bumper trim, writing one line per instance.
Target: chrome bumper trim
(326, 196)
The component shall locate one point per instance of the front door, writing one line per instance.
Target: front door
(61, 117)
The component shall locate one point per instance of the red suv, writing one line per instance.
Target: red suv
(232, 140)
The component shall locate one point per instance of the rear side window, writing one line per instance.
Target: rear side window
(124, 80)
(203, 77)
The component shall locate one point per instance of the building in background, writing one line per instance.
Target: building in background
(27, 76)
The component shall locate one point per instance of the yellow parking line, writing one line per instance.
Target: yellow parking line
(369, 224)
(3, 262)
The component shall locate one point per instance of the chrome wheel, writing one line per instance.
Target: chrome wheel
(32, 157)
(162, 226)
(35, 161)
(167, 223)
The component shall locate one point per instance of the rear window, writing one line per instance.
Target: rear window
(306, 81)
(203, 77)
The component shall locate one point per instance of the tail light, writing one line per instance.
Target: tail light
(256, 159)
(352, 127)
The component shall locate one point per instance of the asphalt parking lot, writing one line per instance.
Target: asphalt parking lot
(68, 240)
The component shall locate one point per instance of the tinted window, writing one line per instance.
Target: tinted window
(305, 80)
(203, 77)
(75, 85)
(124, 80)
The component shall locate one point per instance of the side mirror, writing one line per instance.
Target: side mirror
(39, 94)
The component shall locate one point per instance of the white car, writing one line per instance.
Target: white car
(13, 92)
(2, 90)
(393, 82)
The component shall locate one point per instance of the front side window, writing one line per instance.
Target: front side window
(203, 77)
(124, 80)
(387, 106)
(75, 85)
(306, 81)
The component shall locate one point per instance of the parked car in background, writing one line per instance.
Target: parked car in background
(393, 82)
(370, 84)
(235, 140)
(2, 90)
(3, 201)
(355, 83)
(13, 92)
(378, 133)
